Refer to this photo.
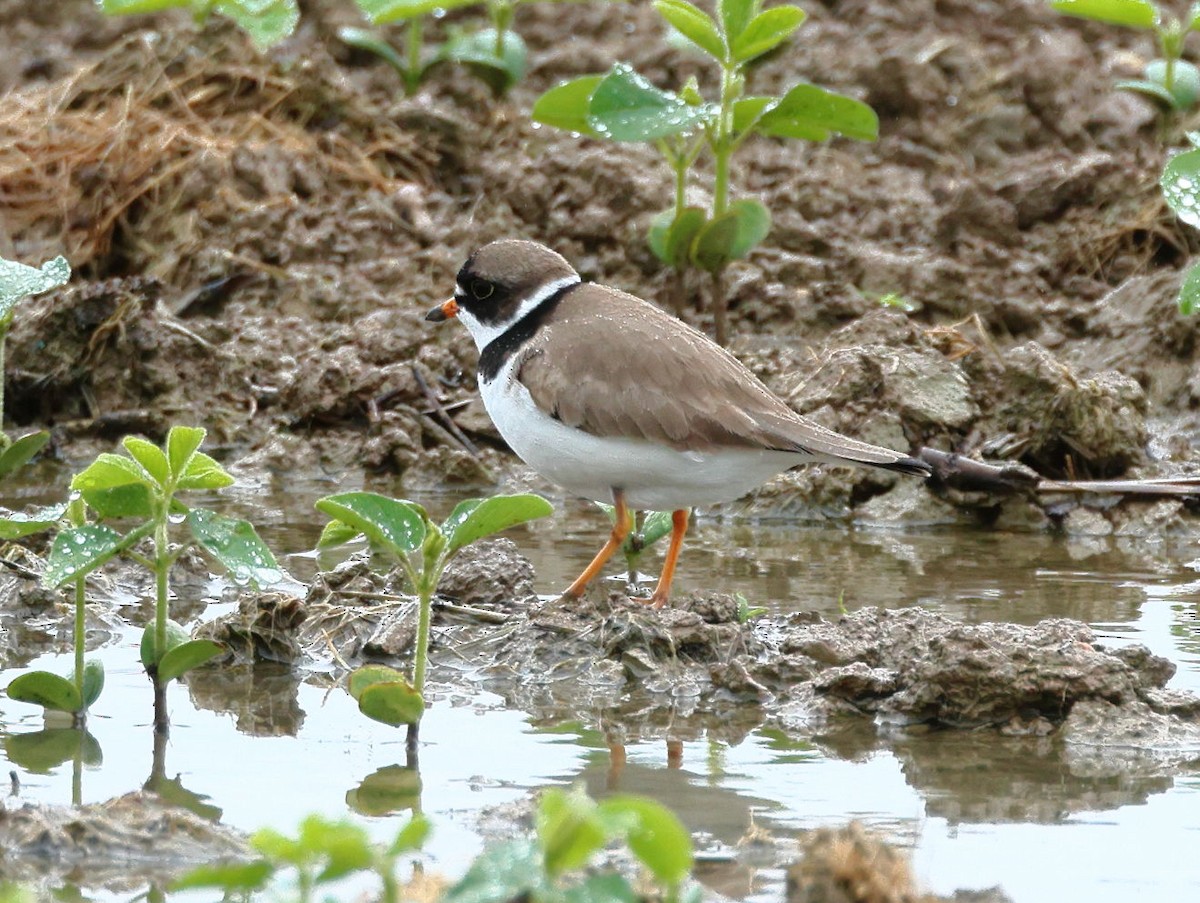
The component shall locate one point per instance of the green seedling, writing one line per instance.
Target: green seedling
(323, 851)
(267, 22)
(403, 531)
(622, 105)
(648, 527)
(497, 55)
(571, 829)
(18, 281)
(747, 612)
(1181, 188)
(1170, 80)
(144, 486)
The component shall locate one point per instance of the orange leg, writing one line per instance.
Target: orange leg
(674, 754)
(679, 525)
(621, 527)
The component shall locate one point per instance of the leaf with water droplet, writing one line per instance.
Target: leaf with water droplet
(491, 515)
(626, 107)
(813, 113)
(236, 545)
(204, 473)
(150, 456)
(80, 550)
(1180, 184)
(15, 524)
(395, 525)
(18, 281)
(477, 50)
(1189, 292)
(566, 106)
(381, 12)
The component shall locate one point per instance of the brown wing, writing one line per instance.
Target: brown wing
(653, 377)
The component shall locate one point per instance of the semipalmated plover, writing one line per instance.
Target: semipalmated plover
(612, 398)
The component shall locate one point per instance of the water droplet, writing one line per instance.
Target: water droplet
(1184, 183)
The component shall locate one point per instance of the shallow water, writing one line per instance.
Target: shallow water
(975, 809)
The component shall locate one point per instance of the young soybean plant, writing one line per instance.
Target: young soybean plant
(1181, 188)
(497, 55)
(622, 105)
(267, 22)
(404, 532)
(1170, 80)
(144, 486)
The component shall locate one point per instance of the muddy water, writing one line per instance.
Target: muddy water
(976, 809)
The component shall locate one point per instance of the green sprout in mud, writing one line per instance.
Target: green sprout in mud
(267, 22)
(403, 531)
(497, 55)
(647, 528)
(144, 486)
(622, 105)
(1170, 80)
(1181, 188)
(18, 281)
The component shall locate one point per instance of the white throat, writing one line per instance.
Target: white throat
(484, 333)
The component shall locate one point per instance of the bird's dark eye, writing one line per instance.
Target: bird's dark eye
(482, 289)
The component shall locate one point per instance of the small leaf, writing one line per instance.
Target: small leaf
(734, 15)
(176, 636)
(568, 829)
(694, 24)
(278, 847)
(655, 526)
(766, 31)
(383, 11)
(1189, 291)
(656, 836)
(109, 471)
(16, 524)
(396, 525)
(237, 546)
(504, 871)
(747, 110)
(150, 456)
(394, 703)
(412, 836)
(491, 516)
(566, 106)
(335, 533)
(602, 888)
(1185, 88)
(1150, 89)
(1180, 183)
(21, 451)
(365, 39)
(18, 281)
(204, 473)
(682, 233)
(230, 876)
(732, 235)
(80, 550)
(478, 50)
(93, 681)
(184, 657)
(50, 691)
(268, 22)
(1131, 13)
(368, 675)
(806, 108)
(345, 846)
(182, 444)
(134, 500)
(626, 107)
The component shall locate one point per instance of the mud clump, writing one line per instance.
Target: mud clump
(488, 574)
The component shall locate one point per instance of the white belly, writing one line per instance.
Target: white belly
(654, 477)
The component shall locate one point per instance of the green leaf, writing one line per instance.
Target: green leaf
(277, 847)
(807, 111)
(16, 524)
(655, 526)
(566, 106)
(383, 11)
(176, 636)
(734, 15)
(478, 50)
(335, 533)
(182, 444)
(150, 456)
(237, 546)
(393, 703)
(345, 846)
(80, 550)
(568, 829)
(43, 751)
(767, 31)
(20, 451)
(18, 281)
(502, 872)
(365, 39)
(1153, 90)
(490, 516)
(93, 681)
(396, 525)
(1132, 13)
(732, 235)
(747, 110)
(656, 836)
(186, 656)
(694, 24)
(670, 237)
(603, 888)
(230, 876)
(626, 107)
(134, 500)
(204, 473)
(1180, 183)
(50, 691)
(1185, 88)
(368, 675)
(109, 471)
(1189, 291)
(133, 7)
(268, 22)
(412, 836)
